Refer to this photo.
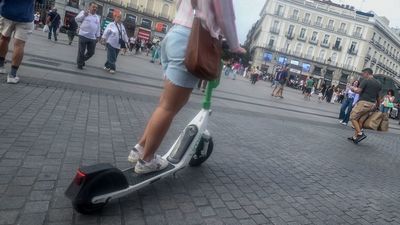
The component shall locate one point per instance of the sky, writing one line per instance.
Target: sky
(248, 11)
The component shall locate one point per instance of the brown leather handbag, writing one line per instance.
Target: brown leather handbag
(203, 53)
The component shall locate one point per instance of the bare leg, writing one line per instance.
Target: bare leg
(18, 52)
(4, 41)
(172, 100)
(357, 127)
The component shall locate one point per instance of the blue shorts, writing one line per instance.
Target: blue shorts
(173, 49)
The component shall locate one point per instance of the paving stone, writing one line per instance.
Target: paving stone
(36, 207)
(32, 219)
(8, 217)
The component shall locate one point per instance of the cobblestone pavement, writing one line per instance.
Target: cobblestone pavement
(274, 162)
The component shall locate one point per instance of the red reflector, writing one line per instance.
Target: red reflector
(79, 177)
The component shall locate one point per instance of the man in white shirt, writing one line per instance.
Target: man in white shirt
(89, 32)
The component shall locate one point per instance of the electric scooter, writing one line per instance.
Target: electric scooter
(94, 186)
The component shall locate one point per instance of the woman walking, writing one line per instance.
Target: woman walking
(347, 104)
(115, 38)
(217, 16)
(388, 102)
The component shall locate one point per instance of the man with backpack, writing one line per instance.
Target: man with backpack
(53, 21)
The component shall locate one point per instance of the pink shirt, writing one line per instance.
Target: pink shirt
(217, 16)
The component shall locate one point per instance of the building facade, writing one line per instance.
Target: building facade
(331, 42)
(148, 20)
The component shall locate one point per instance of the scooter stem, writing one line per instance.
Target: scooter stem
(208, 94)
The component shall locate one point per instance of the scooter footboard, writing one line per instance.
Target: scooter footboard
(183, 143)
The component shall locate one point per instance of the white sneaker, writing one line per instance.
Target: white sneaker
(344, 123)
(156, 164)
(134, 155)
(112, 71)
(3, 70)
(12, 80)
(106, 69)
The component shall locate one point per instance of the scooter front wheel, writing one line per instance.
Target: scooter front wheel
(202, 154)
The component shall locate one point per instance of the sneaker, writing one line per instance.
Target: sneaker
(3, 70)
(156, 164)
(80, 67)
(12, 80)
(344, 123)
(134, 155)
(106, 68)
(360, 137)
(112, 71)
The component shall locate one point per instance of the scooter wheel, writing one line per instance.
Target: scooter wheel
(88, 208)
(198, 158)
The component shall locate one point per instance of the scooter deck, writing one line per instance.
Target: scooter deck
(134, 178)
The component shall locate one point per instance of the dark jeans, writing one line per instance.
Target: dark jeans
(54, 30)
(112, 54)
(85, 44)
(347, 104)
(71, 35)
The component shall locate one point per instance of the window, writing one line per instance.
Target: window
(330, 24)
(342, 26)
(146, 23)
(373, 36)
(303, 33)
(337, 43)
(290, 31)
(322, 54)
(282, 60)
(358, 30)
(319, 21)
(279, 10)
(306, 67)
(349, 61)
(314, 36)
(326, 39)
(334, 57)
(353, 46)
(275, 26)
(310, 51)
(267, 56)
(307, 17)
(295, 14)
(271, 42)
(299, 46)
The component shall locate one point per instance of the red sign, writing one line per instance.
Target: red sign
(144, 34)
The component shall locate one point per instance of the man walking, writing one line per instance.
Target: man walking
(281, 80)
(16, 17)
(53, 21)
(369, 99)
(89, 33)
(309, 87)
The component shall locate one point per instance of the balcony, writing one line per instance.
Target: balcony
(348, 67)
(294, 17)
(342, 31)
(289, 36)
(318, 24)
(357, 35)
(274, 30)
(330, 27)
(278, 13)
(337, 48)
(306, 21)
(325, 45)
(298, 54)
(314, 42)
(164, 16)
(310, 57)
(352, 51)
(367, 57)
(303, 39)
(270, 47)
(320, 59)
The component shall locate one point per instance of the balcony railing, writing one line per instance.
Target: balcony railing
(337, 48)
(318, 24)
(352, 51)
(278, 13)
(320, 59)
(330, 27)
(325, 45)
(357, 35)
(310, 57)
(348, 67)
(302, 38)
(306, 21)
(289, 36)
(342, 31)
(314, 42)
(274, 30)
(294, 17)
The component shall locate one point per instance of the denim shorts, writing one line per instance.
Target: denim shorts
(173, 49)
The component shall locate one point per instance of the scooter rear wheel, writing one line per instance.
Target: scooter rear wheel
(198, 158)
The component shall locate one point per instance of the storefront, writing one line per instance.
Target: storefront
(144, 34)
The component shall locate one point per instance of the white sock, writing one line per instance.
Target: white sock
(139, 148)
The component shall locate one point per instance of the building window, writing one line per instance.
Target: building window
(314, 36)
(271, 42)
(306, 67)
(295, 15)
(307, 18)
(146, 23)
(326, 39)
(342, 26)
(337, 43)
(334, 57)
(310, 52)
(318, 22)
(267, 56)
(349, 61)
(322, 54)
(353, 46)
(279, 10)
(330, 25)
(299, 46)
(290, 31)
(282, 60)
(165, 11)
(303, 33)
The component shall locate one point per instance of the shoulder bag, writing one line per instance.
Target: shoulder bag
(203, 53)
(121, 40)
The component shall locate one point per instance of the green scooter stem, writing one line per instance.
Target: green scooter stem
(208, 94)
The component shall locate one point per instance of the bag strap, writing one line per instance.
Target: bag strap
(119, 32)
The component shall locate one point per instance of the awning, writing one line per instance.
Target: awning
(144, 34)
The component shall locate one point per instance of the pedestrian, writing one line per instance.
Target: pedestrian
(347, 104)
(329, 93)
(89, 32)
(71, 30)
(387, 102)
(369, 100)
(137, 46)
(217, 15)
(155, 54)
(131, 44)
(16, 20)
(309, 87)
(281, 80)
(36, 19)
(53, 21)
(254, 75)
(115, 38)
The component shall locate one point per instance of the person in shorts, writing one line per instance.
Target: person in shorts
(16, 21)
(368, 91)
(309, 87)
(281, 79)
(218, 16)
